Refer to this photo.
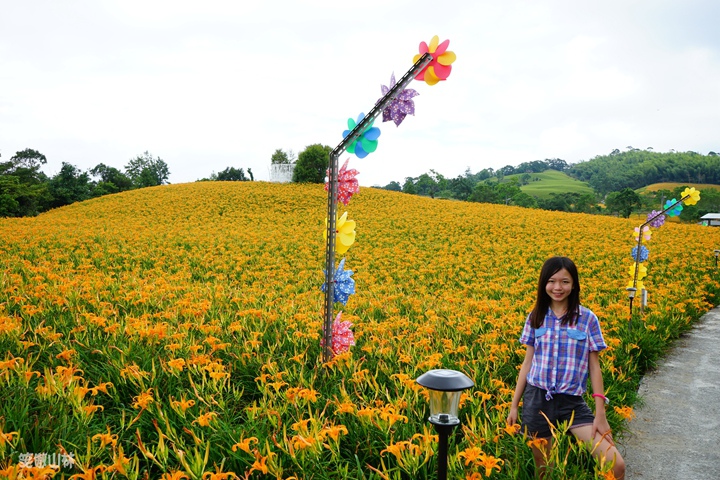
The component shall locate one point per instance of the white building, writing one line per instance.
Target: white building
(711, 219)
(281, 172)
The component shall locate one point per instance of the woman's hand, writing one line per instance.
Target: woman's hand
(601, 427)
(512, 417)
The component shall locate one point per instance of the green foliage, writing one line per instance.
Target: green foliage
(312, 164)
(23, 189)
(230, 174)
(281, 157)
(543, 185)
(623, 202)
(146, 171)
(70, 185)
(111, 180)
(637, 168)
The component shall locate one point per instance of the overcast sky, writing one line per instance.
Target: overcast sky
(210, 84)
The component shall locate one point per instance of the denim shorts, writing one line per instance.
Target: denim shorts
(561, 408)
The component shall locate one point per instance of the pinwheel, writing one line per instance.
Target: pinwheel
(657, 222)
(401, 105)
(643, 253)
(641, 271)
(344, 285)
(440, 67)
(345, 233)
(646, 233)
(347, 183)
(367, 141)
(342, 336)
(674, 211)
(692, 194)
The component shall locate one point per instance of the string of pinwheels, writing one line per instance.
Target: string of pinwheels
(655, 219)
(400, 106)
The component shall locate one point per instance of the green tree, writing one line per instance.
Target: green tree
(409, 186)
(111, 180)
(393, 186)
(23, 186)
(312, 164)
(484, 193)
(146, 171)
(279, 157)
(623, 202)
(230, 174)
(70, 185)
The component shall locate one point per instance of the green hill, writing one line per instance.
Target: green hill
(542, 185)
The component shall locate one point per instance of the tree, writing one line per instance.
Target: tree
(393, 186)
(111, 180)
(279, 157)
(146, 171)
(623, 202)
(23, 187)
(70, 185)
(312, 164)
(252, 177)
(230, 174)
(409, 186)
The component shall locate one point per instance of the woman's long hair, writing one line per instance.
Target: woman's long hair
(542, 303)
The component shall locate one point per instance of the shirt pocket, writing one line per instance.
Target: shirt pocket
(539, 332)
(576, 334)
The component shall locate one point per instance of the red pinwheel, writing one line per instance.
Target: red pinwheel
(440, 66)
(347, 183)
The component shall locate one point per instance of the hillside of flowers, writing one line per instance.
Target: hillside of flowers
(174, 332)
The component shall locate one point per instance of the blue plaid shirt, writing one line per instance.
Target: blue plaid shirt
(560, 363)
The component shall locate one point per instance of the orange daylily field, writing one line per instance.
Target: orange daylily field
(174, 332)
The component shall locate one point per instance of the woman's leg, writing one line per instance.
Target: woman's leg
(541, 450)
(602, 448)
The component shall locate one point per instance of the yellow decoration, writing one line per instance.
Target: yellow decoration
(345, 233)
(692, 194)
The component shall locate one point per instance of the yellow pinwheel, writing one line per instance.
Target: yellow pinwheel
(344, 233)
(692, 194)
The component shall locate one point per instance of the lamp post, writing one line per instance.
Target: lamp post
(717, 254)
(445, 387)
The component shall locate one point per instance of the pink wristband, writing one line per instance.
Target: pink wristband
(599, 395)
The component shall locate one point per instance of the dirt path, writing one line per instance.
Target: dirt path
(676, 433)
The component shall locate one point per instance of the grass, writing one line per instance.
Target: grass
(542, 185)
(672, 185)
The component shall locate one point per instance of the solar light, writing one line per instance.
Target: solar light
(445, 387)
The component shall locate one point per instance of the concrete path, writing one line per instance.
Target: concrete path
(676, 432)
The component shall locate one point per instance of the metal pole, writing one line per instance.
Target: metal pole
(639, 243)
(443, 434)
(332, 196)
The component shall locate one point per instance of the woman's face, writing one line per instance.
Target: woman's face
(559, 286)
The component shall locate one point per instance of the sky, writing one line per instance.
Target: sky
(216, 84)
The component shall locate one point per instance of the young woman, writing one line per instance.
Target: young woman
(563, 339)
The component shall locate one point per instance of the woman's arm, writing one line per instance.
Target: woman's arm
(600, 425)
(512, 417)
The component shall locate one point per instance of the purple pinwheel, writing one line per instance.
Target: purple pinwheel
(657, 222)
(674, 211)
(643, 253)
(367, 141)
(401, 105)
(344, 285)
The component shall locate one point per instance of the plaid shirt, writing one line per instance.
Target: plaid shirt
(560, 363)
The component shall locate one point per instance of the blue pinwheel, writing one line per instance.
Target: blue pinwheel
(367, 141)
(643, 253)
(674, 211)
(344, 285)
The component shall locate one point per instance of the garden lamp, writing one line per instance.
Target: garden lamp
(631, 295)
(445, 387)
(717, 253)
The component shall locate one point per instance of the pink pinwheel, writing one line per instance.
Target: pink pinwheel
(347, 183)
(440, 66)
(401, 105)
(342, 336)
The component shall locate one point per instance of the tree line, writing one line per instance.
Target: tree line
(25, 190)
